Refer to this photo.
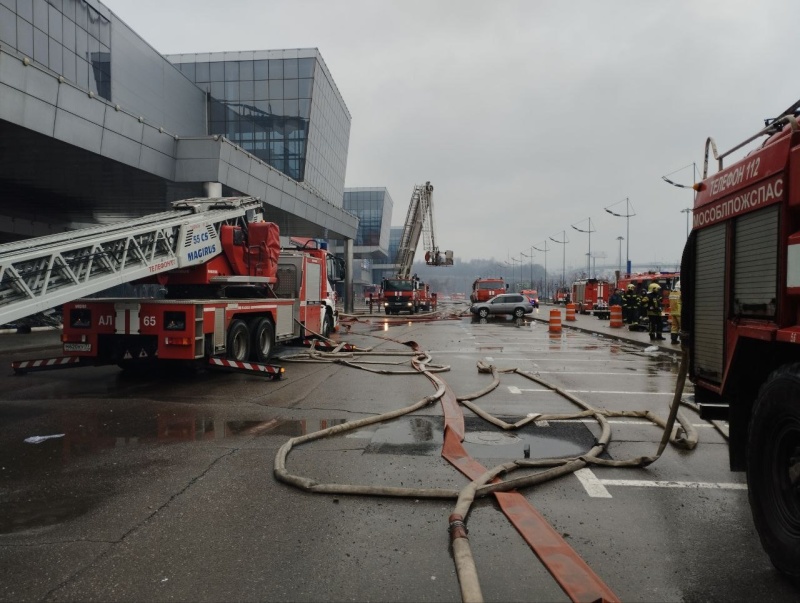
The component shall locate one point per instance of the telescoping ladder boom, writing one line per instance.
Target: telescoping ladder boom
(419, 222)
(40, 273)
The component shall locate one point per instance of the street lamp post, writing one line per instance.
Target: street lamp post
(564, 240)
(687, 211)
(629, 211)
(545, 264)
(531, 258)
(588, 230)
(619, 257)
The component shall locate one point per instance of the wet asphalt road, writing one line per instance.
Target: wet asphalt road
(161, 487)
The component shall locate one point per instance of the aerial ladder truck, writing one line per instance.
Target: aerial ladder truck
(402, 293)
(230, 291)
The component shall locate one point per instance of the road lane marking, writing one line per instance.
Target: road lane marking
(518, 390)
(592, 484)
(596, 487)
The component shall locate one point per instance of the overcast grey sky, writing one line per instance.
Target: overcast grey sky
(527, 116)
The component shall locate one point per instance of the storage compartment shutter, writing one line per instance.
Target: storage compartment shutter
(755, 264)
(709, 303)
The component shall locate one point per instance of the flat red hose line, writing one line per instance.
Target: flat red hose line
(571, 572)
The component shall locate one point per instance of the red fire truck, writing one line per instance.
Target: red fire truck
(590, 296)
(428, 299)
(483, 289)
(740, 281)
(231, 294)
(401, 295)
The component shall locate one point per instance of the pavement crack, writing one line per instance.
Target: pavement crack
(138, 526)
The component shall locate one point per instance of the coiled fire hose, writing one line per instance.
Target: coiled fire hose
(683, 436)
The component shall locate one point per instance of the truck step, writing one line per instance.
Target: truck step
(713, 411)
(273, 371)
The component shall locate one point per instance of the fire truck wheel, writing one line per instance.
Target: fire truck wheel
(238, 341)
(519, 313)
(327, 325)
(483, 312)
(263, 340)
(773, 468)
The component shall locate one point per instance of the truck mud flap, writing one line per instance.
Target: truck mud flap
(271, 371)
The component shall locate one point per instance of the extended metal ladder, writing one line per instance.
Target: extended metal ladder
(40, 273)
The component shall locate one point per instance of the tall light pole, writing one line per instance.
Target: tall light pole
(545, 265)
(588, 230)
(531, 258)
(619, 257)
(687, 211)
(564, 240)
(520, 269)
(629, 211)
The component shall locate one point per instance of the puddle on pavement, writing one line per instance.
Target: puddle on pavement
(417, 436)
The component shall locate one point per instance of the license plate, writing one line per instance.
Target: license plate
(77, 347)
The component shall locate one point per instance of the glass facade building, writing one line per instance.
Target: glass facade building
(97, 126)
(373, 206)
(280, 105)
(70, 37)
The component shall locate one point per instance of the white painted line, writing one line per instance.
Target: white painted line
(596, 488)
(593, 487)
(599, 391)
(663, 484)
(514, 390)
(489, 358)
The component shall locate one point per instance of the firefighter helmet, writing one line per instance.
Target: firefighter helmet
(653, 287)
(631, 287)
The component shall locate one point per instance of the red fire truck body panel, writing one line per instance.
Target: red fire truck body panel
(590, 296)
(484, 289)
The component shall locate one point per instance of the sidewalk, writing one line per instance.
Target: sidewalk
(589, 324)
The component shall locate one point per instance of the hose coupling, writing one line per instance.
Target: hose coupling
(457, 527)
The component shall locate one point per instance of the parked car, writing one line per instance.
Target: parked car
(532, 295)
(508, 303)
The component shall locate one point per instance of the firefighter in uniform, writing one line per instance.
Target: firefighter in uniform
(655, 301)
(642, 315)
(675, 313)
(630, 302)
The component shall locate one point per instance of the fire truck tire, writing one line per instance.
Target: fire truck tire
(263, 340)
(238, 342)
(519, 313)
(773, 468)
(327, 325)
(483, 312)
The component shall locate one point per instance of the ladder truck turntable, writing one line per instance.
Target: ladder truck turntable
(232, 292)
(740, 282)
(404, 292)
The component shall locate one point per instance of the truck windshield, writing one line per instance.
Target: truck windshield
(397, 285)
(490, 285)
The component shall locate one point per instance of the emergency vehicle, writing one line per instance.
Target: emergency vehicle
(402, 293)
(484, 289)
(590, 296)
(740, 283)
(231, 292)
(532, 295)
(428, 299)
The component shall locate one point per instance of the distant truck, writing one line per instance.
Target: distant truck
(484, 289)
(401, 295)
(590, 296)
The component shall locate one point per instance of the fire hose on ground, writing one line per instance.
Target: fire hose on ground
(683, 435)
